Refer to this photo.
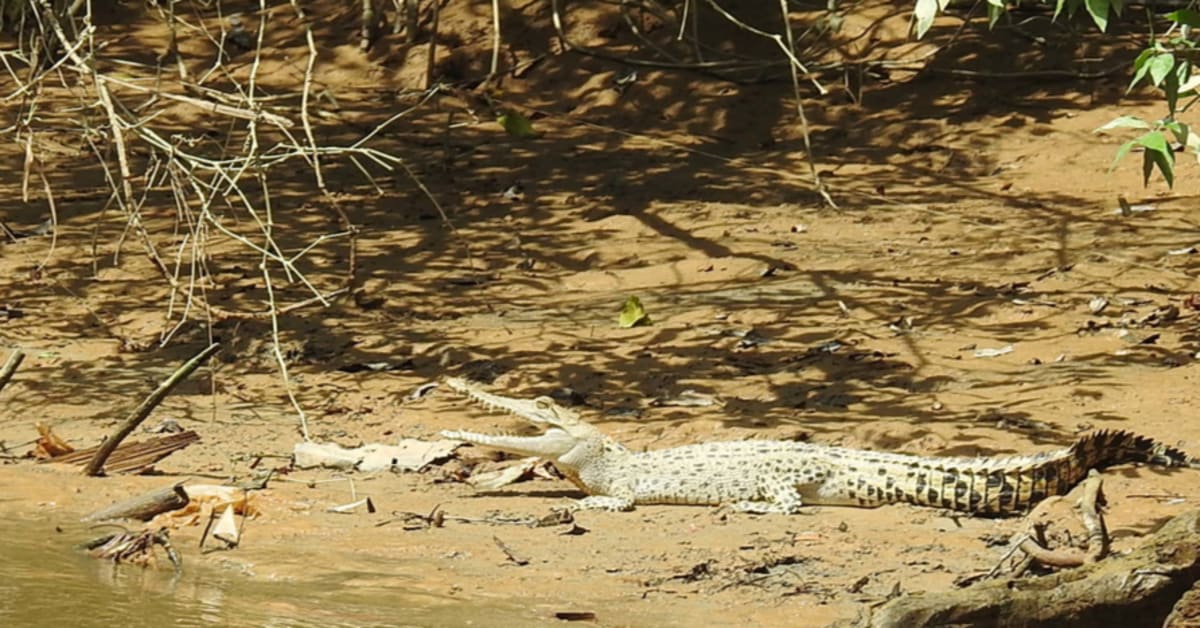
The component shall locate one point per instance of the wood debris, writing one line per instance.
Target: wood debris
(135, 457)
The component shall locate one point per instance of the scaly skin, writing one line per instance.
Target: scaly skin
(765, 476)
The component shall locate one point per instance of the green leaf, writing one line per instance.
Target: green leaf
(1191, 84)
(1121, 152)
(516, 124)
(1179, 130)
(1181, 76)
(1193, 144)
(1161, 66)
(1141, 66)
(1170, 88)
(1154, 141)
(1166, 165)
(995, 12)
(1098, 9)
(923, 15)
(1124, 122)
(1185, 17)
(633, 314)
(1158, 154)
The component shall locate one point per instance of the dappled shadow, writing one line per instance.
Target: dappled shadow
(665, 174)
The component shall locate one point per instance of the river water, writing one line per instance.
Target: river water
(45, 581)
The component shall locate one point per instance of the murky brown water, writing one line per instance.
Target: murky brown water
(45, 581)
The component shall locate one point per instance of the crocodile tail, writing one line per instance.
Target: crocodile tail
(1017, 485)
(1106, 448)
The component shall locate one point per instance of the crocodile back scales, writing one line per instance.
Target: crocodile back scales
(995, 486)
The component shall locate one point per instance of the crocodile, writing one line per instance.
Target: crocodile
(768, 476)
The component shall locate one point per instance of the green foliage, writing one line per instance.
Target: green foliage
(1099, 10)
(1165, 64)
(516, 125)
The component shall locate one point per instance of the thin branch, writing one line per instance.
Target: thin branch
(495, 67)
(139, 414)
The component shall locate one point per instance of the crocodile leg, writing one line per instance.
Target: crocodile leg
(604, 502)
(782, 497)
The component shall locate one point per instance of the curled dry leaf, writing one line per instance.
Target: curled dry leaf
(422, 390)
(49, 444)
(205, 499)
(991, 353)
(632, 314)
(346, 509)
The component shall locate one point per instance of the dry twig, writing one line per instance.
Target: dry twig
(10, 367)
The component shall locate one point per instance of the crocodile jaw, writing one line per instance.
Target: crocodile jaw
(542, 411)
(552, 445)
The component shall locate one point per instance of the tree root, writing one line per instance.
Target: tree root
(1138, 589)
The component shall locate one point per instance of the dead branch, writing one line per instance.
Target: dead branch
(1138, 589)
(436, 8)
(205, 105)
(134, 547)
(411, 17)
(139, 414)
(10, 367)
(145, 506)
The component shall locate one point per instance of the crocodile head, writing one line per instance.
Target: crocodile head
(567, 439)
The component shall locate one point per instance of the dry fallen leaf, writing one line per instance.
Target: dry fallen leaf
(409, 454)
(227, 529)
(503, 477)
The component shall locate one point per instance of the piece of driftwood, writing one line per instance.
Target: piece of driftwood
(144, 506)
(135, 457)
(1186, 613)
(10, 367)
(1138, 589)
(139, 414)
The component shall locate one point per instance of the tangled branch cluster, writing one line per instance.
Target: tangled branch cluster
(212, 185)
(223, 187)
